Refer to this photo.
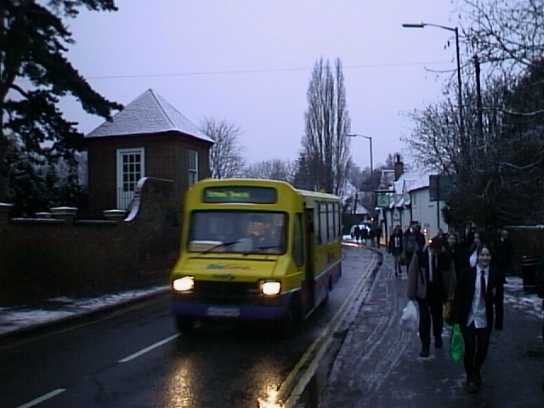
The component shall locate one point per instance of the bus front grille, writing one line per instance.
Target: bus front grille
(226, 292)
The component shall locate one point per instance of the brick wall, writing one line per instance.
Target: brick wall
(67, 256)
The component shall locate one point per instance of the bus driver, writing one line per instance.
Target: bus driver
(260, 235)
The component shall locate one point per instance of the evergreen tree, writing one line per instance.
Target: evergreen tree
(34, 75)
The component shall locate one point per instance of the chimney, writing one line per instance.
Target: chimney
(399, 167)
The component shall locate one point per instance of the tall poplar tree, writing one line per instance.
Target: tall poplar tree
(325, 143)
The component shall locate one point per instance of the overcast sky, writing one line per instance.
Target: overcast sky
(250, 61)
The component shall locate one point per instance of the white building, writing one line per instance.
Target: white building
(409, 201)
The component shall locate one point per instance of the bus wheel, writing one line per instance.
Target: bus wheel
(185, 324)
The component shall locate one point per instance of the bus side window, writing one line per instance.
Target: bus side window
(317, 224)
(298, 243)
(323, 225)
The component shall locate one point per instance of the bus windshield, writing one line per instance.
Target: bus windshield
(238, 232)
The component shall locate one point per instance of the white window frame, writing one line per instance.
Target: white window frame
(192, 173)
(123, 202)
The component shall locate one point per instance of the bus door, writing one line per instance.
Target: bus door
(309, 281)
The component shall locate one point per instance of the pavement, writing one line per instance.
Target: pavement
(16, 321)
(378, 364)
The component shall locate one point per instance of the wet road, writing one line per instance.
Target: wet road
(135, 358)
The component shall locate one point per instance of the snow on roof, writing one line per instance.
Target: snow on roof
(411, 181)
(148, 113)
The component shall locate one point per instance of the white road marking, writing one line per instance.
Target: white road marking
(145, 350)
(43, 398)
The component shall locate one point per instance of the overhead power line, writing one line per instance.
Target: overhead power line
(261, 71)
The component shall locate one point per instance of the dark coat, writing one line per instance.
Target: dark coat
(418, 286)
(451, 262)
(396, 249)
(503, 253)
(494, 298)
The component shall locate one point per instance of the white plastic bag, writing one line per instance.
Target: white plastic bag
(410, 317)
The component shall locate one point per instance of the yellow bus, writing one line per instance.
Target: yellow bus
(255, 249)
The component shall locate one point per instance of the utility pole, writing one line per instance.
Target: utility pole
(479, 101)
(459, 89)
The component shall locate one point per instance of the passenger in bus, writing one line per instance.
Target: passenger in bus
(260, 236)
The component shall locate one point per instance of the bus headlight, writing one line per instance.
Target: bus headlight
(184, 284)
(270, 288)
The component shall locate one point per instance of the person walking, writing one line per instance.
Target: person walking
(357, 233)
(452, 261)
(395, 248)
(364, 234)
(478, 306)
(371, 235)
(425, 286)
(379, 234)
(409, 245)
(420, 238)
(503, 252)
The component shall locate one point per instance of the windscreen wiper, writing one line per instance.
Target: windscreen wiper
(268, 247)
(222, 244)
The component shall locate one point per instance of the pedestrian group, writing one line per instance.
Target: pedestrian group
(458, 282)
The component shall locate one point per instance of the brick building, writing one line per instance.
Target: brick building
(148, 138)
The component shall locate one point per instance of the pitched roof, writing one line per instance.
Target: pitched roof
(148, 113)
(411, 181)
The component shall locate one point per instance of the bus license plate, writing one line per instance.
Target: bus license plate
(223, 312)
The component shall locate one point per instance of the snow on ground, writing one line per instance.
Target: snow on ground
(519, 299)
(16, 318)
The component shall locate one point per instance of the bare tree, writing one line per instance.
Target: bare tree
(436, 139)
(506, 33)
(325, 143)
(226, 153)
(504, 162)
(272, 169)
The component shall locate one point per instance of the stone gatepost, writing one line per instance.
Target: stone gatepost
(5, 209)
(68, 214)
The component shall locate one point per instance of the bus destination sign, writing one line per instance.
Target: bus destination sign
(256, 195)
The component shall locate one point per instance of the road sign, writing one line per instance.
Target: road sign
(440, 187)
(383, 198)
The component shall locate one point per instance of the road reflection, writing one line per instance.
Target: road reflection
(271, 398)
(180, 389)
(229, 369)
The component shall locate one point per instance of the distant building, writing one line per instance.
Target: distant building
(149, 137)
(410, 201)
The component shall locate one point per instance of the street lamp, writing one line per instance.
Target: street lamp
(370, 139)
(459, 86)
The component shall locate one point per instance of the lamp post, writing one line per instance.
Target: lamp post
(370, 139)
(459, 85)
